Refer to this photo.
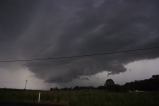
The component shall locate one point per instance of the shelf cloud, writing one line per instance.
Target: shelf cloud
(57, 28)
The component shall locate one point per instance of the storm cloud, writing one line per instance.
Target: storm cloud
(57, 28)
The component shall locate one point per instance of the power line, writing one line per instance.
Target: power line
(80, 56)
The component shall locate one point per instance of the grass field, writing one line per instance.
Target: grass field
(84, 97)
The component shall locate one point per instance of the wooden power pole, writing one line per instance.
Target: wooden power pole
(25, 84)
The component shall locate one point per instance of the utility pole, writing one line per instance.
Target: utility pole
(25, 84)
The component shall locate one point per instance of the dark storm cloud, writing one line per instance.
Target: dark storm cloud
(53, 28)
(14, 18)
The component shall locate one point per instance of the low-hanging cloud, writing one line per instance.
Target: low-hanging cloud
(74, 27)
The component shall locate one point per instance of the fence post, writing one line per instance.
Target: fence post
(39, 97)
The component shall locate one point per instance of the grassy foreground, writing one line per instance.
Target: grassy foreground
(84, 97)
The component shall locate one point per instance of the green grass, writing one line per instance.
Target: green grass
(85, 97)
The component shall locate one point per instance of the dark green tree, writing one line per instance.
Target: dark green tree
(109, 83)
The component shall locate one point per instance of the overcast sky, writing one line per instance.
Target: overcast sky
(32, 29)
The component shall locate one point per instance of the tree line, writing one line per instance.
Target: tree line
(151, 84)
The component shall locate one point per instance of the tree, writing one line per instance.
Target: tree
(109, 83)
